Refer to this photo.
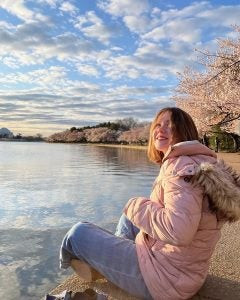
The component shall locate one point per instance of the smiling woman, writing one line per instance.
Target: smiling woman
(171, 125)
(162, 133)
(163, 244)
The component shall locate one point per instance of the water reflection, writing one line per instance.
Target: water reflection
(29, 262)
(48, 187)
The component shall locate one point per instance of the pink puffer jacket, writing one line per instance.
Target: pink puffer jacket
(178, 232)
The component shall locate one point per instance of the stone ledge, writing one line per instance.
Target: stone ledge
(215, 288)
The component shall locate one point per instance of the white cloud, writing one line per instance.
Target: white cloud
(77, 103)
(10, 62)
(51, 77)
(151, 60)
(20, 10)
(191, 22)
(30, 43)
(156, 11)
(51, 3)
(188, 11)
(5, 25)
(68, 7)
(117, 49)
(131, 90)
(138, 24)
(124, 7)
(87, 70)
(186, 30)
(99, 32)
(222, 16)
(134, 13)
(92, 26)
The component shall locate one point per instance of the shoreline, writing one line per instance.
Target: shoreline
(138, 147)
(21, 140)
(124, 146)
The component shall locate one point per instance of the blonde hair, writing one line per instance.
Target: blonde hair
(183, 129)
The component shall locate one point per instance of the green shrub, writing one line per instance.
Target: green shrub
(228, 142)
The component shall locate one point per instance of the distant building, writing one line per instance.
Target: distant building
(5, 133)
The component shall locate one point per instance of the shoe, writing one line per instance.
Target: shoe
(65, 295)
(85, 271)
(88, 294)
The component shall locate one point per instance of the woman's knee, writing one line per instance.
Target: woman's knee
(78, 230)
(126, 229)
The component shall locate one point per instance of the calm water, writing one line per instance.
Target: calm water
(45, 189)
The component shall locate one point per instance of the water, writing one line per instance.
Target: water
(45, 189)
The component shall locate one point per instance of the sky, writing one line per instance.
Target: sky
(78, 63)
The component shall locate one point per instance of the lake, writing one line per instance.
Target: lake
(45, 189)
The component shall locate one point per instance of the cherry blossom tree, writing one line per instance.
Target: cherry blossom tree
(100, 135)
(67, 136)
(138, 135)
(212, 97)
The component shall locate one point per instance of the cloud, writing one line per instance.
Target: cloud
(6, 25)
(20, 10)
(9, 107)
(87, 70)
(51, 77)
(79, 105)
(124, 7)
(51, 3)
(68, 7)
(133, 13)
(188, 11)
(138, 24)
(177, 29)
(150, 60)
(128, 90)
(215, 15)
(192, 22)
(92, 26)
(30, 43)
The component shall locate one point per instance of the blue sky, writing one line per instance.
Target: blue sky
(76, 63)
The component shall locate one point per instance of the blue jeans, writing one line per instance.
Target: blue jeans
(114, 256)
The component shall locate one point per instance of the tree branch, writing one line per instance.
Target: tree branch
(228, 67)
(230, 120)
(213, 55)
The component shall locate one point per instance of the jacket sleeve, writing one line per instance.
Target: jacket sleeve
(177, 222)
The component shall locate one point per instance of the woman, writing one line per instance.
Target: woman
(163, 245)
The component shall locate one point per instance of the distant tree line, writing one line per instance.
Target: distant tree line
(121, 124)
(123, 131)
(29, 138)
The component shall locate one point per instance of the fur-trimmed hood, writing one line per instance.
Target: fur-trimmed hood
(222, 186)
(220, 182)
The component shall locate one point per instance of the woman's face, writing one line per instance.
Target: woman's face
(162, 133)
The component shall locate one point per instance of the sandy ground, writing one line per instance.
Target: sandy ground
(223, 281)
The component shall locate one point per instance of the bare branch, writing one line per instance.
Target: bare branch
(214, 77)
(213, 55)
(229, 120)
